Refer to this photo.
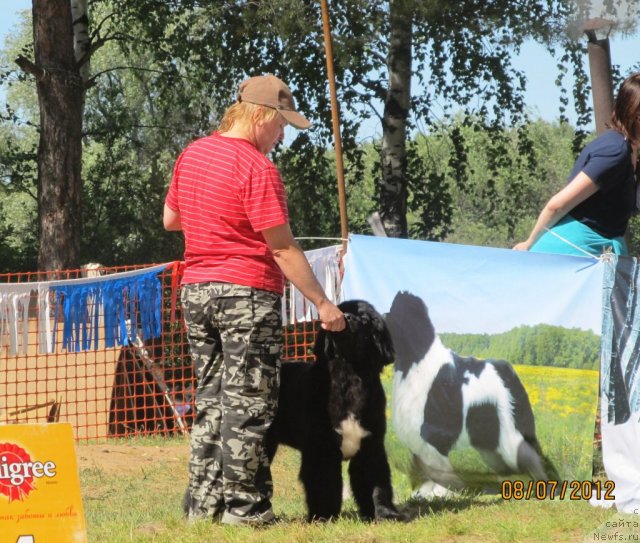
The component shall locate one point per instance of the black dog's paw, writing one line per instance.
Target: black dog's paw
(389, 513)
(321, 519)
(383, 506)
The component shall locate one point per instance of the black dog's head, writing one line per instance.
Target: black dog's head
(364, 343)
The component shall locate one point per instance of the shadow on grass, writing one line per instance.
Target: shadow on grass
(415, 508)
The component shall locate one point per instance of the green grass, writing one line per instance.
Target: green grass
(564, 402)
(143, 504)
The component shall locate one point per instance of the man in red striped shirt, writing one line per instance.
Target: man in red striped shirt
(228, 199)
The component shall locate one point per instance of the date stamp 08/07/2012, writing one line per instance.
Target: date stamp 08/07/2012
(559, 490)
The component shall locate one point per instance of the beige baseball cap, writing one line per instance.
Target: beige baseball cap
(268, 90)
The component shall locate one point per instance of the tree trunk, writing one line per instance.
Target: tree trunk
(393, 194)
(60, 97)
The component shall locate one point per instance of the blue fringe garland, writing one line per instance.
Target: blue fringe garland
(137, 299)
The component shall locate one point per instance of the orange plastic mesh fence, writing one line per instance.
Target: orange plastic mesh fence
(143, 388)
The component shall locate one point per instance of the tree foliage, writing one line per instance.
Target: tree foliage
(496, 198)
(467, 165)
(541, 345)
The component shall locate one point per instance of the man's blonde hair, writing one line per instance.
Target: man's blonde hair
(242, 113)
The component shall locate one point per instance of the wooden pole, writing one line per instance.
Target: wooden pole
(336, 125)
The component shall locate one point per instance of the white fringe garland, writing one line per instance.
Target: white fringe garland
(85, 302)
(325, 264)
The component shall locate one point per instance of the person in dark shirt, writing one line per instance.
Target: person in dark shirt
(590, 214)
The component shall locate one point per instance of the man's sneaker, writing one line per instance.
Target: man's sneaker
(259, 519)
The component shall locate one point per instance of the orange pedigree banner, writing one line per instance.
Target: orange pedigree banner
(39, 485)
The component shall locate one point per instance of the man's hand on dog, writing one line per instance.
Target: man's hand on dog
(331, 317)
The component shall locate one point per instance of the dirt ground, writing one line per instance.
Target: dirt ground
(125, 458)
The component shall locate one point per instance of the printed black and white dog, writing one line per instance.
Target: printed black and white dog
(333, 409)
(442, 401)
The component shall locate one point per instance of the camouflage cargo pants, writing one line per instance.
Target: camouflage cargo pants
(235, 336)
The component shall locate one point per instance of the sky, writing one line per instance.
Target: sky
(542, 96)
(9, 15)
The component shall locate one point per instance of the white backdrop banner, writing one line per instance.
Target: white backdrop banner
(541, 313)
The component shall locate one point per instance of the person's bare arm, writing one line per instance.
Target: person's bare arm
(295, 266)
(580, 188)
(171, 219)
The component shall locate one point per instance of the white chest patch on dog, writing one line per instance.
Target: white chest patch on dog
(352, 434)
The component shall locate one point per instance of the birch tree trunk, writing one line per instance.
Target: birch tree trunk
(393, 193)
(60, 97)
(81, 38)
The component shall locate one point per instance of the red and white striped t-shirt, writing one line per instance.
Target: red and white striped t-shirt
(226, 192)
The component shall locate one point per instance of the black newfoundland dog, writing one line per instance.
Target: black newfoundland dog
(333, 409)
